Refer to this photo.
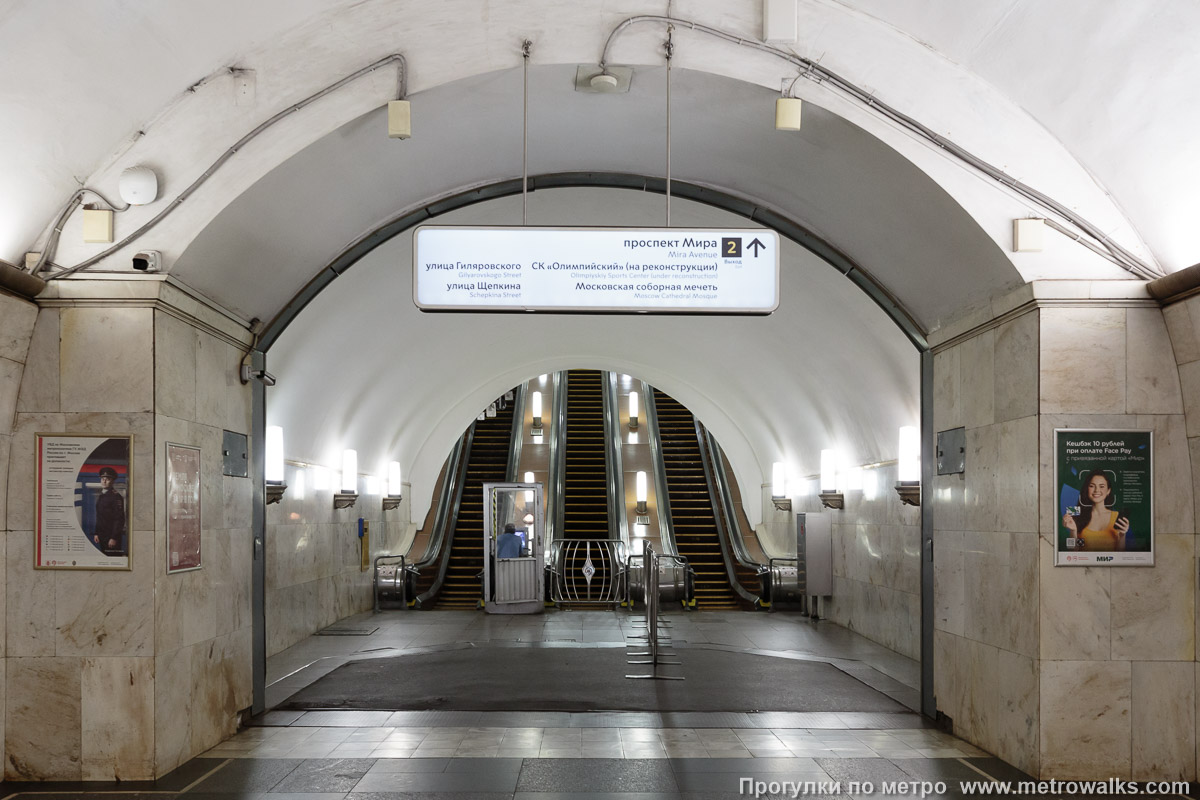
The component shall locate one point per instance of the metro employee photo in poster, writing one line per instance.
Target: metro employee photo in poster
(1104, 499)
(83, 501)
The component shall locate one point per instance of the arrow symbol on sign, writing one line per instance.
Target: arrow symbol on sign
(755, 245)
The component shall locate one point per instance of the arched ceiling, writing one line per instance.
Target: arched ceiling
(361, 367)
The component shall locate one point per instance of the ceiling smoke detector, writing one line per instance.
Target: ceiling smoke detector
(602, 80)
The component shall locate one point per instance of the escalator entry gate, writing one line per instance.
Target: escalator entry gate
(514, 544)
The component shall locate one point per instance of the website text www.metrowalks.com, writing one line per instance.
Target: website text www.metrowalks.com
(753, 787)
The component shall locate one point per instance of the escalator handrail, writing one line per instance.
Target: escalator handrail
(723, 536)
(725, 495)
(517, 437)
(614, 472)
(449, 486)
(666, 525)
(446, 538)
(556, 480)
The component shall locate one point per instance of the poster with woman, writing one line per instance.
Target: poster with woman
(1104, 499)
(84, 501)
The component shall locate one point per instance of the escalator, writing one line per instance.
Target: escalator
(695, 529)
(487, 462)
(585, 488)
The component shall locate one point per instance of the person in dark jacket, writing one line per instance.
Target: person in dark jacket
(109, 533)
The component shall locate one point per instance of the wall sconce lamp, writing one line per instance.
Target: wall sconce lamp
(529, 492)
(641, 493)
(537, 413)
(395, 492)
(348, 495)
(908, 472)
(274, 464)
(830, 496)
(779, 487)
(633, 411)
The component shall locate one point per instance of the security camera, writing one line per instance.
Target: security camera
(148, 261)
(257, 374)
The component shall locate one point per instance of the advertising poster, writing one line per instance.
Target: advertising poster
(183, 508)
(84, 501)
(1104, 503)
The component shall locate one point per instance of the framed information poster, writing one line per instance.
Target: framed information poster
(84, 501)
(183, 508)
(1104, 498)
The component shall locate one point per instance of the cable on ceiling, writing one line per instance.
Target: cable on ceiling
(52, 241)
(1099, 241)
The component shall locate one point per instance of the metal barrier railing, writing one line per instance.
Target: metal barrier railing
(678, 588)
(588, 571)
(652, 637)
(390, 581)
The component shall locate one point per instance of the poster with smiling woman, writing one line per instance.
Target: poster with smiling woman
(1104, 498)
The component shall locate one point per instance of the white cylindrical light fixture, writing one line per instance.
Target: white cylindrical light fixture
(641, 486)
(529, 492)
(633, 410)
(274, 454)
(828, 471)
(297, 487)
(350, 471)
(909, 468)
(394, 486)
(778, 479)
(537, 410)
(787, 113)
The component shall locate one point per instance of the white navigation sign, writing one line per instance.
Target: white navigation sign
(635, 270)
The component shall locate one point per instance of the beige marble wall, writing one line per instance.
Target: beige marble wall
(17, 324)
(92, 669)
(986, 542)
(1066, 673)
(313, 559)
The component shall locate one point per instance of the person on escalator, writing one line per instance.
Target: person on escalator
(509, 544)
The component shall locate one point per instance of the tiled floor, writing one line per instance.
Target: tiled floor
(528, 755)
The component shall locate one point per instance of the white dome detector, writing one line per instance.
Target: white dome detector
(138, 186)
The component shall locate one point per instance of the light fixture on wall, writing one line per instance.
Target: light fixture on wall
(399, 111)
(348, 491)
(641, 493)
(830, 496)
(779, 487)
(633, 411)
(274, 464)
(537, 413)
(529, 492)
(908, 471)
(395, 491)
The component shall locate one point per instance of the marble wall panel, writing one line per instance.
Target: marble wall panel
(949, 502)
(10, 384)
(29, 600)
(1189, 379)
(17, 319)
(1153, 609)
(977, 371)
(42, 728)
(1016, 382)
(1194, 450)
(209, 440)
(174, 367)
(947, 407)
(5, 448)
(107, 613)
(1015, 729)
(1076, 610)
(238, 503)
(1174, 509)
(1183, 324)
(1152, 379)
(1164, 720)
(999, 490)
(117, 719)
(107, 359)
(980, 702)
(39, 385)
(1086, 720)
(949, 583)
(948, 673)
(215, 710)
(174, 701)
(1001, 569)
(215, 360)
(1082, 360)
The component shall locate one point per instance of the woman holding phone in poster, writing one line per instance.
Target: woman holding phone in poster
(1098, 526)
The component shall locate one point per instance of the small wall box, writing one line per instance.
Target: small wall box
(97, 225)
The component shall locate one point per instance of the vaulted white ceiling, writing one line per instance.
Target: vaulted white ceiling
(1092, 103)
